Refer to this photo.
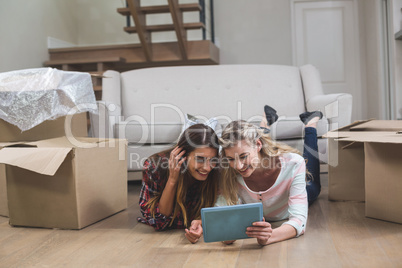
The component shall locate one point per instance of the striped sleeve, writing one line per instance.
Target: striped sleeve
(298, 204)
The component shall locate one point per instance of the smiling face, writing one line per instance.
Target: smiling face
(201, 161)
(243, 157)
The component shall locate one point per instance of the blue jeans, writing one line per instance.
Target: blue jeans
(310, 154)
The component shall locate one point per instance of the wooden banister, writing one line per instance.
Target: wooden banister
(139, 20)
(181, 34)
(83, 61)
(166, 27)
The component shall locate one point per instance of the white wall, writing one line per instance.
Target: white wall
(99, 23)
(396, 46)
(372, 60)
(25, 27)
(254, 31)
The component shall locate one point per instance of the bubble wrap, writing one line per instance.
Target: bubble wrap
(32, 96)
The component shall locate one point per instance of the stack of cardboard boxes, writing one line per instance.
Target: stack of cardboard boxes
(365, 164)
(51, 180)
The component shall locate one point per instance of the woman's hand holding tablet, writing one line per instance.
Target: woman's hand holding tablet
(229, 223)
(261, 230)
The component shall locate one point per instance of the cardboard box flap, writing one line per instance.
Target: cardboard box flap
(379, 125)
(70, 143)
(40, 160)
(11, 144)
(351, 145)
(357, 134)
(388, 138)
(344, 131)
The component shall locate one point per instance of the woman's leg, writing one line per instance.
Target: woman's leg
(310, 153)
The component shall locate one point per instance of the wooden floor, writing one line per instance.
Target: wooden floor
(338, 235)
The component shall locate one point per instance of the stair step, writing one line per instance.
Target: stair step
(165, 53)
(96, 74)
(84, 61)
(97, 88)
(125, 11)
(166, 27)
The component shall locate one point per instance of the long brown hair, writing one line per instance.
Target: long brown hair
(194, 137)
(235, 132)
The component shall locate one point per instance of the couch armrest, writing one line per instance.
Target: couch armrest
(102, 123)
(337, 108)
(111, 87)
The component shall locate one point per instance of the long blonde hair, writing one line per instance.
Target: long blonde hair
(194, 137)
(238, 131)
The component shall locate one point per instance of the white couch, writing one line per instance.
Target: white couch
(147, 106)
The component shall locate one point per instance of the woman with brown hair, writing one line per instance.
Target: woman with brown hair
(180, 181)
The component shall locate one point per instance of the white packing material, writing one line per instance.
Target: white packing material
(31, 96)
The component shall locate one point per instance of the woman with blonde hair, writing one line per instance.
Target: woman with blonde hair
(259, 169)
(180, 181)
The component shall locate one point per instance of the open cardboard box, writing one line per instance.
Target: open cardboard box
(46, 130)
(31, 97)
(364, 160)
(346, 162)
(382, 173)
(57, 183)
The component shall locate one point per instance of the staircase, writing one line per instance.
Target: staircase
(97, 59)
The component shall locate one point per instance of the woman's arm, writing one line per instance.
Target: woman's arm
(166, 203)
(298, 209)
(151, 186)
(265, 235)
(298, 204)
(281, 233)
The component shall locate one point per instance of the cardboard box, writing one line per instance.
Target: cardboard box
(57, 184)
(3, 186)
(346, 162)
(383, 180)
(345, 171)
(47, 130)
(379, 144)
(3, 192)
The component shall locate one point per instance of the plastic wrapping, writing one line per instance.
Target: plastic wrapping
(32, 96)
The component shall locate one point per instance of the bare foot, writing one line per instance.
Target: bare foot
(313, 122)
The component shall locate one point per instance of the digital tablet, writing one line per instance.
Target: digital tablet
(229, 222)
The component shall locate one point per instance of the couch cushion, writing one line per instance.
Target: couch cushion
(138, 154)
(165, 94)
(287, 128)
(161, 133)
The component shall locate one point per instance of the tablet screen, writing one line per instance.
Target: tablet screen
(229, 222)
